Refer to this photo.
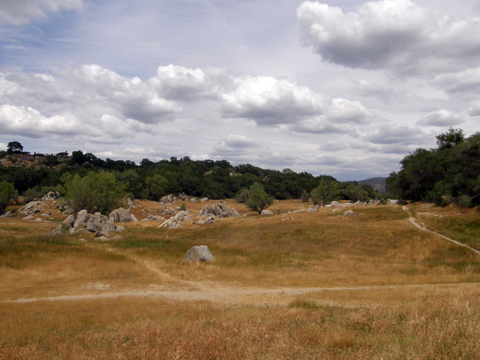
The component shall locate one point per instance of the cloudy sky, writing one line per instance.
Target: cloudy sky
(340, 87)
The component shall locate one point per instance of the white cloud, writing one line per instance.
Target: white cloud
(181, 83)
(19, 12)
(390, 34)
(269, 101)
(29, 122)
(474, 110)
(441, 118)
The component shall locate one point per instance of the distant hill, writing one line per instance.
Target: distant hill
(378, 183)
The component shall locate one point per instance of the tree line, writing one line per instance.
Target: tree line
(447, 174)
(198, 178)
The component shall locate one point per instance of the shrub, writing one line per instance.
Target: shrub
(242, 196)
(183, 207)
(258, 199)
(32, 194)
(325, 192)
(464, 201)
(95, 192)
(156, 187)
(305, 196)
(7, 192)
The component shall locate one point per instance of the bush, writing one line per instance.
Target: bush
(156, 187)
(242, 196)
(305, 196)
(183, 207)
(7, 192)
(464, 201)
(95, 192)
(325, 192)
(258, 199)
(32, 194)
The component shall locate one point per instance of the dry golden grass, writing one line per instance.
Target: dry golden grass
(254, 254)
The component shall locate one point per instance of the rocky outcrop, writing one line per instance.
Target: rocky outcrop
(65, 226)
(198, 254)
(96, 222)
(219, 209)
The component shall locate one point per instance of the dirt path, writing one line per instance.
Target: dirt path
(423, 228)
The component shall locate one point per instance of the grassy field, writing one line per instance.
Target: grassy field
(289, 286)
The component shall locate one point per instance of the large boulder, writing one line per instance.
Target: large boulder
(120, 215)
(65, 226)
(82, 219)
(313, 208)
(198, 254)
(96, 222)
(220, 209)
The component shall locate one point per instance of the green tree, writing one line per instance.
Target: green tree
(94, 192)
(7, 192)
(355, 193)
(325, 192)
(258, 199)
(14, 147)
(451, 138)
(156, 187)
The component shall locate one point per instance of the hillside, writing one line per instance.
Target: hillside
(378, 183)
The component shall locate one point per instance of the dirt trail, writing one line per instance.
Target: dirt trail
(226, 295)
(423, 228)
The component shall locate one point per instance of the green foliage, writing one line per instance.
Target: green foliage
(325, 192)
(258, 199)
(32, 194)
(94, 192)
(183, 207)
(2, 154)
(7, 192)
(355, 193)
(441, 175)
(464, 201)
(242, 196)
(156, 187)
(305, 196)
(14, 147)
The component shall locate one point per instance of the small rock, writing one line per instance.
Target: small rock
(266, 212)
(198, 254)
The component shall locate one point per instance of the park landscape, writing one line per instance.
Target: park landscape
(290, 285)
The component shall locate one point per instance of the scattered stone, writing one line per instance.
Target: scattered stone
(266, 212)
(96, 222)
(299, 211)
(201, 222)
(134, 219)
(102, 238)
(204, 200)
(349, 213)
(72, 231)
(8, 214)
(38, 219)
(117, 238)
(198, 254)
(120, 229)
(28, 217)
(210, 220)
(313, 208)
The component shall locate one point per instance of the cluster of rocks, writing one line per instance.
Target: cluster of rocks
(51, 196)
(179, 197)
(97, 223)
(176, 221)
(220, 209)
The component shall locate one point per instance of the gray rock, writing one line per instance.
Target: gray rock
(198, 254)
(117, 238)
(30, 205)
(28, 217)
(210, 220)
(313, 208)
(180, 216)
(219, 209)
(134, 219)
(107, 228)
(96, 222)
(349, 213)
(201, 222)
(266, 212)
(102, 238)
(299, 211)
(69, 221)
(64, 226)
(38, 219)
(120, 215)
(75, 232)
(335, 204)
(204, 200)
(82, 219)
(120, 229)
(8, 214)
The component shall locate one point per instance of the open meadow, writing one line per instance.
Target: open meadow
(304, 285)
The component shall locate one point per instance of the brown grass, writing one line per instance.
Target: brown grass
(318, 250)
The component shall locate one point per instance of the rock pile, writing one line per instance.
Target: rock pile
(220, 209)
(97, 223)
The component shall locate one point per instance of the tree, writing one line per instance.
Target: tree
(94, 192)
(14, 147)
(258, 199)
(449, 139)
(156, 187)
(7, 192)
(325, 192)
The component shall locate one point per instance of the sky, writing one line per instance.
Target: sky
(338, 87)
